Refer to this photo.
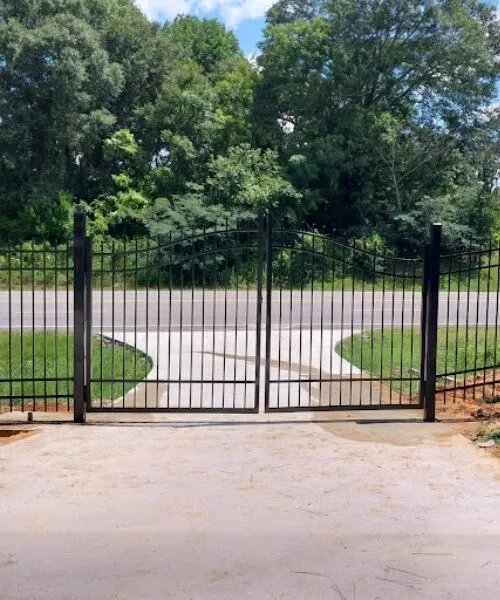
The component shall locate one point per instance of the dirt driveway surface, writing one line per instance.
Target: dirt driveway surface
(248, 511)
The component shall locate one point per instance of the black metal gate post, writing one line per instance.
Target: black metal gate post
(431, 329)
(79, 317)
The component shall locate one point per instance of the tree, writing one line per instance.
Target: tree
(144, 53)
(466, 213)
(146, 57)
(235, 82)
(179, 129)
(117, 211)
(56, 84)
(194, 118)
(206, 41)
(380, 96)
(240, 186)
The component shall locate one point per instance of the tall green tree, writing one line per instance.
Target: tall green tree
(56, 85)
(369, 101)
(240, 186)
(146, 57)
(206, 41)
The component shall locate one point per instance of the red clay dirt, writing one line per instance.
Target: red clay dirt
(471, 402)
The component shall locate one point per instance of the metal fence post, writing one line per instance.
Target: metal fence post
(432, 305)
(79, 317)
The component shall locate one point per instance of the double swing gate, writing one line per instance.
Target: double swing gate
(246, 319)
(240, 319)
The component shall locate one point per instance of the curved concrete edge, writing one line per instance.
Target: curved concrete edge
(230, 355)
(119, 342)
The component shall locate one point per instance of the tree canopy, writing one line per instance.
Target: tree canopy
(383, 98)
(361, 117)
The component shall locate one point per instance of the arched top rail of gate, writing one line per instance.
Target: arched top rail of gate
(354, 257)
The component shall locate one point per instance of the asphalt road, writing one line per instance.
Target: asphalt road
(209, 310)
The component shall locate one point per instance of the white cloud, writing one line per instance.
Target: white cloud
(232, 12)
(253, 59)
(163, 8)
(235, 11)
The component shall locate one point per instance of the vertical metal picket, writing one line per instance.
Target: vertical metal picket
(79, 317)
(432, 323)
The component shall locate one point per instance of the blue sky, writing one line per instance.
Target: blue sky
(244, 17)
(249, 33)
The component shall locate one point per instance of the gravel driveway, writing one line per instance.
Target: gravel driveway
(187, 510)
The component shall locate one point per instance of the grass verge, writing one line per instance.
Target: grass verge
(396, 352)
(48, 356)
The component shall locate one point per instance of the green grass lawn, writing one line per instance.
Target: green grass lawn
(396, 352)
(50, 355)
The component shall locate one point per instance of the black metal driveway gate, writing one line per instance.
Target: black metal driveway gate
(180, 321)
(343, 326)
(239, 319)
